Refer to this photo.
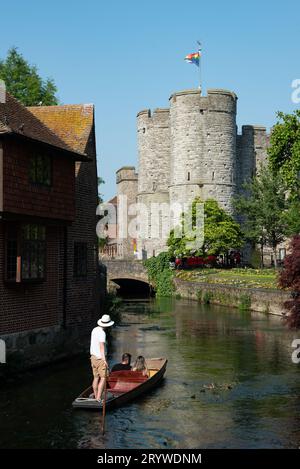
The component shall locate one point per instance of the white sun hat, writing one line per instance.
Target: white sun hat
(105, 321)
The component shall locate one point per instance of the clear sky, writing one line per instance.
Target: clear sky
(125, 56)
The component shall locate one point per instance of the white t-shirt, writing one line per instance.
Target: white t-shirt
(98, 336)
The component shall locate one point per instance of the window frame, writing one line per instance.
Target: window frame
(35, 180)
(20, 254)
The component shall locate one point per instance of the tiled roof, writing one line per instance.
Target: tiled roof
(72, 123)
(42, 124)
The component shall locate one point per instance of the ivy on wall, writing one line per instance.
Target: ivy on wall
(160, 274)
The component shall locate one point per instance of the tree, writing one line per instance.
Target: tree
(293, 218)
(290, 278)
(100, 182)
(24, 83)
(264, 206)
(221, 232)
(284, 150)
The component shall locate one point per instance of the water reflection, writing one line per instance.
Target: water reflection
(230, 383)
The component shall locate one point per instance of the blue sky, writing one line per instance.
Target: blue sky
(127, 56)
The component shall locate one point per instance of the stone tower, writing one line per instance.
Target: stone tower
(191, 149)
(203, 148)
(153, 180)
(251, 152)
(127, 182)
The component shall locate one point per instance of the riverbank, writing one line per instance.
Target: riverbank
(263, 300)
(239, 277)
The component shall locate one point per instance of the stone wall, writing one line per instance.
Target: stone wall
(261, 300)
(125, 269)
(37, 347)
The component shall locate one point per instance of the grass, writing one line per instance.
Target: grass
(246, 277)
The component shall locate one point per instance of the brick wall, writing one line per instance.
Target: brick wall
(22, 197)
(83, 307)
(31, 306)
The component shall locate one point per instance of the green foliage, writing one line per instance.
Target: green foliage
(264, 206)
(207, 297)
(24, 83)
(199, 295)
(221, 232)
(160, 274)
(245, 303)
(156, 265)
(112, 305)
(255, 259)
(164, 284)
(284, 150)
(100, 195)
(102, 242)
(292, 217)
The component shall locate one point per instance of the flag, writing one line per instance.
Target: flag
(193, 58)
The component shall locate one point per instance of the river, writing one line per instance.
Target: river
(230, 383)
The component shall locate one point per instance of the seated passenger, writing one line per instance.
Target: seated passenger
(140, 365)
(125, 365)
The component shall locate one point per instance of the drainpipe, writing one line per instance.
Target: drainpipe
(65, 278)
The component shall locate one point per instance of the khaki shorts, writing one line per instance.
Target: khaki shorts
(98, 367)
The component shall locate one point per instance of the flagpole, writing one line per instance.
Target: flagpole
(200, 74)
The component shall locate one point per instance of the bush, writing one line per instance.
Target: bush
(160, 274)
(245, 303)
(199, 295)
(164, 285)
(207, 297)
(290, 278)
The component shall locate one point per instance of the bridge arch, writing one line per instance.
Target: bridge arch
(128, 277)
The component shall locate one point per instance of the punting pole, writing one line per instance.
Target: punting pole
(104, 403)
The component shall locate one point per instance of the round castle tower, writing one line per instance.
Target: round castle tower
(127, 181)
(203, 146)
(154, 169)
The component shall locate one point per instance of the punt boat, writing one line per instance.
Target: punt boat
(125, 386)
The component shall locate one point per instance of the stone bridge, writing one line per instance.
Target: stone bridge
(126, 273)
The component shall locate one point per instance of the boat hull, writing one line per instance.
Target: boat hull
(120, 399)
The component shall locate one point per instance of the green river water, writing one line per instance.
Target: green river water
(254, 401)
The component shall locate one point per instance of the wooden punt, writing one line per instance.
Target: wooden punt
(125, 386)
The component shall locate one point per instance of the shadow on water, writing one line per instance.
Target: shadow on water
(230, 383)
(134, 289)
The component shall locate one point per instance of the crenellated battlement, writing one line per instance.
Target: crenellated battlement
(126, 173)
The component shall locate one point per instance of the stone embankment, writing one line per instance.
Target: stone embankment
(263, 300)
